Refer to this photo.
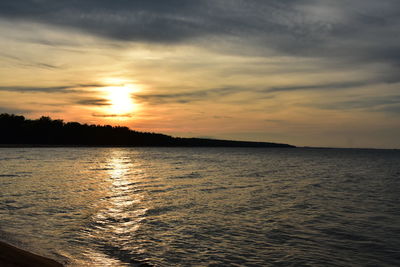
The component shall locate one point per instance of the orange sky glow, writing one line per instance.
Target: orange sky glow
(298, 80)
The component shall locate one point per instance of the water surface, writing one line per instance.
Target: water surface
(203, 206)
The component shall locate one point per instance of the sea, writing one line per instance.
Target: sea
(203, 206)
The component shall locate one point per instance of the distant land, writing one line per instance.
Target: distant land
(16, 130)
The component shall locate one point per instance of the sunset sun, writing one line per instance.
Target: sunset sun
(120, 99)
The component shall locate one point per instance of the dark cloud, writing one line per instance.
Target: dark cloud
(28, 63)
(14, 110)
(259, 93)
(363, 30)
(386, 104)
(94, 102)
(391, 109)
(187, 97)
(331, 86)
(275, 121)
(158, 21)
(43, 65)
(77, 88)
(24, 89)
(111, 115)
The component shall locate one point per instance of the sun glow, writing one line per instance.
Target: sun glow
(120, 99)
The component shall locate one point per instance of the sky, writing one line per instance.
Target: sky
(303, 72)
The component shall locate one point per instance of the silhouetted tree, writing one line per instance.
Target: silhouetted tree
(45, 131)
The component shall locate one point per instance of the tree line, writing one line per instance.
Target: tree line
(17, 130)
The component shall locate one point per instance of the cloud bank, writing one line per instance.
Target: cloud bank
(366, 30)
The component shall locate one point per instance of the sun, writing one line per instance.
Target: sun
(120, 99)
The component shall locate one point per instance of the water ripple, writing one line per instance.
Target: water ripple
(208, 207)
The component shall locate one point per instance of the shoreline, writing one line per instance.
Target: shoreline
(130, 146)
(127, 146)
(11, 256)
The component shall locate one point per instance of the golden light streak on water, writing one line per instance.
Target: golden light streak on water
(118, 207)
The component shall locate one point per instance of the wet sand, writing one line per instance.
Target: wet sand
(14, 257)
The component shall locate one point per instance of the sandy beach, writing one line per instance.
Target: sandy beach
(14, 257)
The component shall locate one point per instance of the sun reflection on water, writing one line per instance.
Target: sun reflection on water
(122, 211)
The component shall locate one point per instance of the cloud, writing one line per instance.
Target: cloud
(187, 97)
(94, 102)
(111, 115)
(336, 55)
(14, 110)
(157, 21)
(386, 104)
(391, 109)
(77, 88)
(362, 30)
(323, 86)
(29, 63)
